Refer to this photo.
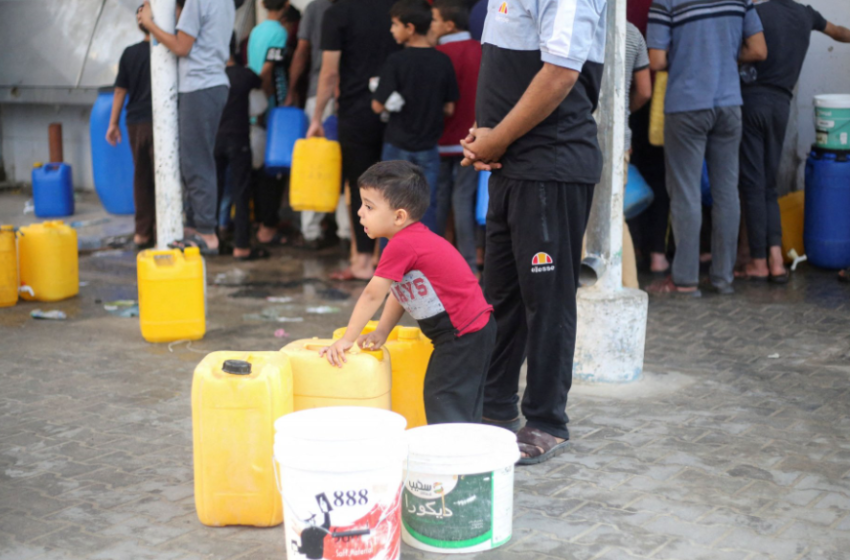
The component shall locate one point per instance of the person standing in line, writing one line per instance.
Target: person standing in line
(457, 185)
(767, 90)
(134, 81)
(308, 58)
(266, 50)
(355, 44)
(541, 73)
(425, 80)
(701, 44)
(201, 44)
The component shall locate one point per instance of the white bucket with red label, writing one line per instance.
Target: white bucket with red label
(341, 472)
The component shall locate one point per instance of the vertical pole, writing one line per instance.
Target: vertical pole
(605, 227)
(169, 200)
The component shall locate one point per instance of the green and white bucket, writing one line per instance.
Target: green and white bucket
(458, 493)
(832, 121)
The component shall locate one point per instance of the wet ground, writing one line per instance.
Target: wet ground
(736, 445)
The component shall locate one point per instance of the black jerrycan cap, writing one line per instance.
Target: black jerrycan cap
(236, 367)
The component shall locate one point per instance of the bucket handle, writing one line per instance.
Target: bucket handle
(379, 353)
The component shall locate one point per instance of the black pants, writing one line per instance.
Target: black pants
(531, 266)
(234, 154)
(144, 189)
(357, 157)
(457, 371)
(765, 118)
(268, 194)
(649, 159)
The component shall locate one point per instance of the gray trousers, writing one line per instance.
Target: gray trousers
(713, 135)
(199, 113)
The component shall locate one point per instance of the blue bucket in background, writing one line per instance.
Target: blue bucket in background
(638, 196)
(112, 165)
(482, 201)
(285, 126)
(52, 190)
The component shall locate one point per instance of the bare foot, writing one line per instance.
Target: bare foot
(241, 253)
(265, 234)
(756, 268)
(658, 262)
(526, 455)
(139, 240)
(211, 239)
(777, 263)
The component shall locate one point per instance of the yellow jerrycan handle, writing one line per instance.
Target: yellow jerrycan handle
(378, 354)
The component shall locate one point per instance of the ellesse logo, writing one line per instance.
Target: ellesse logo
(542, 262)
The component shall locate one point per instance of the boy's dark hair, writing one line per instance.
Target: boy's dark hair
(274, 5)
(292, 15)
(417, 12)
(455, 11)
(403, 185)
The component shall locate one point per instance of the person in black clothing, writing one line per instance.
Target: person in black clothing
(767, 90)
(355, 44)
(541, 72)
(134, 80)
(233, 153)
(425, 80)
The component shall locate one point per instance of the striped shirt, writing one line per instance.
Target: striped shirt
(703, 40)
(636, 59)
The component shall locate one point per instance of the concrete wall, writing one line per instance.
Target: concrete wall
(24, 139)
(826, 70)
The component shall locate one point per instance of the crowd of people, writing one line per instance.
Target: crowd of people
(440, 91)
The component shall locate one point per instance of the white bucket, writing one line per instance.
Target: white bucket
(458, 494)
(341, 476)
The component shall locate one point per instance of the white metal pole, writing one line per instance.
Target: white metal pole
(605, 228)
(169, 199)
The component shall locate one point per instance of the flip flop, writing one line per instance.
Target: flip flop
(257, 253)
(195, 240)
(346, 276)
(538, 446)
(667, 287)
(512, 425)
(779, 278)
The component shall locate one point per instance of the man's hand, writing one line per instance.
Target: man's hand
(145, 15)
(316, 130)
(335, 353)
(372, 341)
(113, 134)
(482, 149)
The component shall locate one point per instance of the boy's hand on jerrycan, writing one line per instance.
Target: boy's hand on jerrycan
(335, 353)
(372, 341)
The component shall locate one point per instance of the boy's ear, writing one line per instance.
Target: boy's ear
(400, 216)
(450, 25)
(410, 27)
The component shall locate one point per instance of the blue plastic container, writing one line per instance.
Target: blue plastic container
(482, 201)
(637, 196)
(285, 126)
(826, 226)
(331, 126)
(112, 165)
(53, 190)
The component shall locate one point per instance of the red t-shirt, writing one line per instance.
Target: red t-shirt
(430, 278)
(465, 54)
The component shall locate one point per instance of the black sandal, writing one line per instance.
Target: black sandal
(538, 446)
(195, 240)
(257, 253)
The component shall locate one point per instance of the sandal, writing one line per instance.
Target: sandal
(257, 253)
(277, 240)
(194, 240)
(512, 425)
(346, 275)
(538, 446)
(779, 278)
(668, 287)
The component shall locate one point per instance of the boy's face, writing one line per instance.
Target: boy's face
(401, 32)
(376, 215)
(439, 26)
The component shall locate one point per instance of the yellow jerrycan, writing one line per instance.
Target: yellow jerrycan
(656, 110)
(172, 294)
(236, 398)
(410, 351)
(364, 380)
(316, 178)
(791, 209)
(8, 267)
(49, 261)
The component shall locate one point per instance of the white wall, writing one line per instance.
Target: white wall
(826, 70)
(25, 141)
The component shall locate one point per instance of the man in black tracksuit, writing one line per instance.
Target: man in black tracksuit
(539, 83)
(767, 90)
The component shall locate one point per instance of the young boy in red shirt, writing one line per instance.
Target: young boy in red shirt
(457, 185)
(425, 276)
